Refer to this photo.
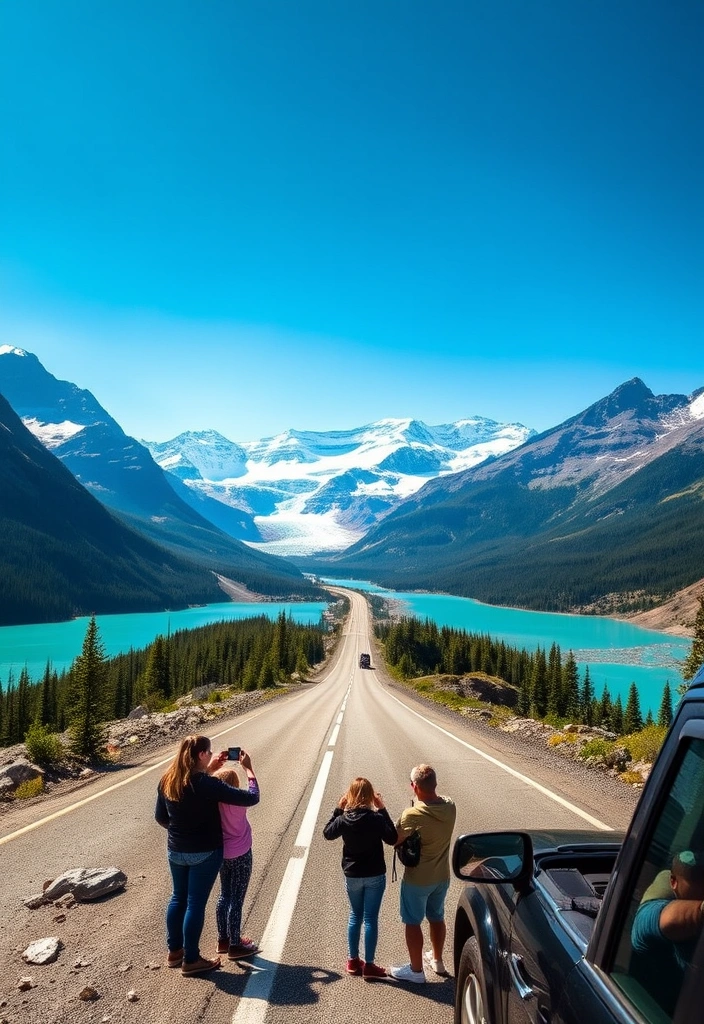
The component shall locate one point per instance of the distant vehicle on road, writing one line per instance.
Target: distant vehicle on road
(365, 661)
(549, 927)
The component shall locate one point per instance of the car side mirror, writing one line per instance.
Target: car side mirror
(494, 857)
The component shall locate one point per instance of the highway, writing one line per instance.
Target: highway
(305, 747)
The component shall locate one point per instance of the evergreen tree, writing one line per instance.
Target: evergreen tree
(570, 688)
(695, 658)
(554, 681)
(587, 699)
(45, 711)
(632, 718)
(649, 720)
(665, 712)
(156, 682)
(24, 710)
(617, 716)
(87, 703)
(539, 686)
(605, 709)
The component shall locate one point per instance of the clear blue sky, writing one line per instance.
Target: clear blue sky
(256, 215)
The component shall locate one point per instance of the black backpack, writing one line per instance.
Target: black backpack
(408, 852)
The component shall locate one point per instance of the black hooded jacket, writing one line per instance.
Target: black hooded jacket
(363, 831)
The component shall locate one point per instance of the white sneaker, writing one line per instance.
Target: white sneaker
(435, 965)
(406, 973)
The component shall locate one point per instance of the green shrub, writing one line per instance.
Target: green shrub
(43, 747)
(644, 745)
(215, 697)
(30, 788)
(597, 747)
(632, 778)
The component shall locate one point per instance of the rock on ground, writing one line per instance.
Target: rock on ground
(86, 883)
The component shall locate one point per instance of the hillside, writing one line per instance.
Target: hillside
(121, 474)
(609, 503)
(64, 554)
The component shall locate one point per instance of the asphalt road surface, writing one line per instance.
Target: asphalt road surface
(305, 748)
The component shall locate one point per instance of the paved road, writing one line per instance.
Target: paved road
(306, 748)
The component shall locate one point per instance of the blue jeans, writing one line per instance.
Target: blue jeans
(185, 913)
(365, 896)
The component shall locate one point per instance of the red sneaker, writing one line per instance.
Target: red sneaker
(371, 971)
(354, 965)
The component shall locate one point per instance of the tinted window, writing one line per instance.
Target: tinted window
(664, 920)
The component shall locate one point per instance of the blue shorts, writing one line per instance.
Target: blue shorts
(419, 901)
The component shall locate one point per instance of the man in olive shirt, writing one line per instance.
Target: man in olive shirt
(425, 886)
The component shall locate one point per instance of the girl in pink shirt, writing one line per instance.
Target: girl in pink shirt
(236, 867)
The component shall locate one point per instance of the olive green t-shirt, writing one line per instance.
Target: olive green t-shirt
(435, 823)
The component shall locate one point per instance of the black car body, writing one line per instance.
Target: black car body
(544, 930)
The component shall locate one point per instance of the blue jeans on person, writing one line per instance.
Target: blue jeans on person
(185, 913)
(365, 896)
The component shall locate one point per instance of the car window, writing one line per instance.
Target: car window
(656, 948)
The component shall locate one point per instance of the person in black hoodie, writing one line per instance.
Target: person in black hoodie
(364, 824)
(187, 806)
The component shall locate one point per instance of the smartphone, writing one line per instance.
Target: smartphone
(233, 753)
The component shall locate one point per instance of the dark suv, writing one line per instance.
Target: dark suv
(550, 927)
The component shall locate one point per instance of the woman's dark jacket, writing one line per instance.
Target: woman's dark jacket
(194, 820)
(362, 831)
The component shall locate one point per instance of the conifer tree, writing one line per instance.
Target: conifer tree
(587, 699)
(539, 685)
(45, 712)
(632, 718)
(87, 702)
(665, 712)
(605, 709)
(24, 710)
(570, 688)
(649, 720)
(695, 658)
(156, 682)
(617, 716)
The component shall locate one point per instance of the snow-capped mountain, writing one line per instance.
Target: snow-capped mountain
(320, 491)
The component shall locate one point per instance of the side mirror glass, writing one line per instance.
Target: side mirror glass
(493, 857)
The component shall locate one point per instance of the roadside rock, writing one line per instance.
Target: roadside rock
(21, 770)
(139, 712)
(42, 951)
(491, 691)
(88, 994)
(24, 984)
(86, 884)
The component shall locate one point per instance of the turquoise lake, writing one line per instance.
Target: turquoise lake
(617, 653)
(60, 642)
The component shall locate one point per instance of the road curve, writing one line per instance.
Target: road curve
(306, 748)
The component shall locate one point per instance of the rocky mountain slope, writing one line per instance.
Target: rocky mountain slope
(611, 502)
(121, 474)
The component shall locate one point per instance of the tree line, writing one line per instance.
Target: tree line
(548, 684)
(247, 654)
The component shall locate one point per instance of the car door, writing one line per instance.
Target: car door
(540, 958)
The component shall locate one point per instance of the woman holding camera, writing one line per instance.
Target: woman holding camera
(187, 806)
(364, 824)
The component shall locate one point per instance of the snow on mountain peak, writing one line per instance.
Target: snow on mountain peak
(696, 407)
(319, 490)
(10, 350)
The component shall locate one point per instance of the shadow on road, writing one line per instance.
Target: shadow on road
(299, 984)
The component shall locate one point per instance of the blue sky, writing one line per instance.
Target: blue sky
(253, 216)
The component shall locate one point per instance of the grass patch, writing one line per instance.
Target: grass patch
(644, 745)
(32, 787)
(633, 778)
(596, 748)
